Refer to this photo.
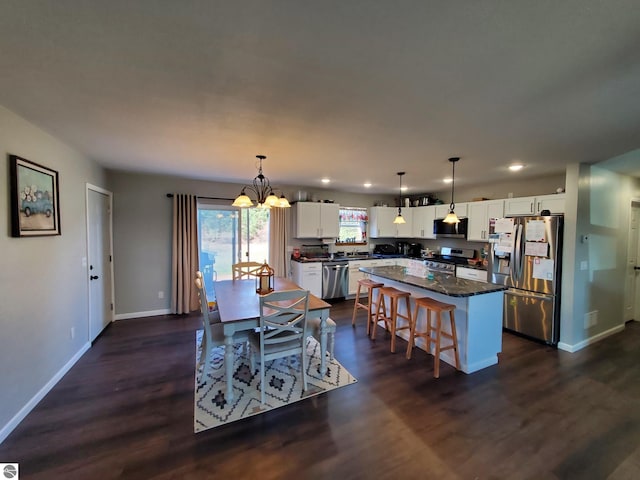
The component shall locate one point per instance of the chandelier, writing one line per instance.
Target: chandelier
(265, 198)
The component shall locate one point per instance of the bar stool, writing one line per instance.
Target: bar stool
(390, 319)
(438, 308)
(369, 285)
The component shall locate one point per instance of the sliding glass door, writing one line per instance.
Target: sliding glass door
(228, 235)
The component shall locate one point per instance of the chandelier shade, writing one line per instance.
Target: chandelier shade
(261, 188)
(451, 216)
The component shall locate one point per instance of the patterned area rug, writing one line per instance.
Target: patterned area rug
(284, 385)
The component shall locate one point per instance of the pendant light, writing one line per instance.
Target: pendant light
(265, 198)
(451, 216)
(399, 218)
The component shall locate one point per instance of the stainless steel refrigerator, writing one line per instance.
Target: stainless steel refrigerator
(526, 256)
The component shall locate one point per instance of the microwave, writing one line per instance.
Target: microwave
(450, 230)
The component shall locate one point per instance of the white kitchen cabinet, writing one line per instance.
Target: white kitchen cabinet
(316, 220)
(479, 214)
(308, 276)
(381, 223)
(471, 274)
(355, 274)
(534, 205)
(555, 203)
(459, 208)
(422, 221)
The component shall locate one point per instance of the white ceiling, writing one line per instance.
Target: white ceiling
(351, 90)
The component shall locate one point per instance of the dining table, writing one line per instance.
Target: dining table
(239, 308)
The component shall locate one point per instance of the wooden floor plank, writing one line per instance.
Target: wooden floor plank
(125, 410)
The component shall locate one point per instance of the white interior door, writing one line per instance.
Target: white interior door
(632, 284)
(99, 266)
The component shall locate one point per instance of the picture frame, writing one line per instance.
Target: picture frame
(35, 199)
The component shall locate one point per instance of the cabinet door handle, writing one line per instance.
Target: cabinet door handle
(531, 207)
(538, 206)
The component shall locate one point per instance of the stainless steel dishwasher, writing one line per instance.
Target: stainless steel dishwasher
(335, 279)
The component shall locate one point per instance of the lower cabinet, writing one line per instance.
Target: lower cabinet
(308, 276)
(471, 274)
(355, 275)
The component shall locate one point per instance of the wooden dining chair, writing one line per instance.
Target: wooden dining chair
(283, 331)
(244, 270)
(213, 335)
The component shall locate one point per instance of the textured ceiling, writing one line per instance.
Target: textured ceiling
(351, 90)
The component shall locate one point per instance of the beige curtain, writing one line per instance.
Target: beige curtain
(184, 263)
(278, 240)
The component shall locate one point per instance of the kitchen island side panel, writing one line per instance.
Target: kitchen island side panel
(478, 321)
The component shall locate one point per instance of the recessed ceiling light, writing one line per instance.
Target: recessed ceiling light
(515, 167)
(404, 189)
(447, 180)
(367, 185)
(325, 180)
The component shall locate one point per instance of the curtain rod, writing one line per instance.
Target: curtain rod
(170, 195)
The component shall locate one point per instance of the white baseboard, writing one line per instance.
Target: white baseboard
(148, 313)
(580, 345)
(24, 411)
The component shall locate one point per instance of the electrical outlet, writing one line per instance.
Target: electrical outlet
(72, 333)
(584, 265)
(160, 294)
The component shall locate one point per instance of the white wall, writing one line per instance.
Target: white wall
(142, 219)
(142, 228)
(43, 285)
(595, 250)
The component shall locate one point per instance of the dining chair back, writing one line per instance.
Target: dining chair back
(213, 335)
(244, 270)
(213, 315)
(283, 331)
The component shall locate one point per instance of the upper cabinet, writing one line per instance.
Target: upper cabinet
(480, 213)
(316, 220)
(422, 221)
(459, 208)
(381, 223)
(534, 205)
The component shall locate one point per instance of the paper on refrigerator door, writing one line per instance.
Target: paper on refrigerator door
(504, 244)
(503, 225)
(543, 268)
(536, 249)
(534, 231)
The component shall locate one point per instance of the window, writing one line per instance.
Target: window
(228, 235)
(353, 226)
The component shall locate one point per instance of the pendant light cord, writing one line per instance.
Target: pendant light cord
(453, 160)
(453, 181)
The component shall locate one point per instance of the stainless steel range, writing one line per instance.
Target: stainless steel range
(448, 258)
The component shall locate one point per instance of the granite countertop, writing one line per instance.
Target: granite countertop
(347, 258)
(337, 258)
(442, 283)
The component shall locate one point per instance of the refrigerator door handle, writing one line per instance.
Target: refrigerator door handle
(518, 253)
(541, 296)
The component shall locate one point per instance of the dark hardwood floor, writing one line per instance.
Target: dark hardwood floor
(125, 410)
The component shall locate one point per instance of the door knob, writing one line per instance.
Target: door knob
(93, 277)
(636, 268)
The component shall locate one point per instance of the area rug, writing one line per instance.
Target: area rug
(284, 384)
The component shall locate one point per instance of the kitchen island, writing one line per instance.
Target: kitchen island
(478, 312)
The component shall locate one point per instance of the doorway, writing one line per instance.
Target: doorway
(632, 283)
(100, 260)
(227, 235)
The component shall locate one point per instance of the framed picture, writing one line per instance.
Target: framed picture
(35, 201)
